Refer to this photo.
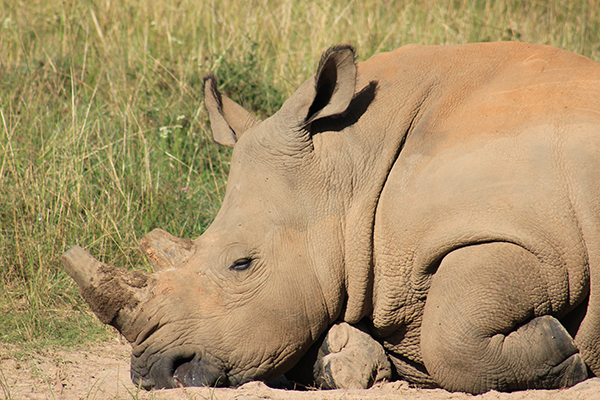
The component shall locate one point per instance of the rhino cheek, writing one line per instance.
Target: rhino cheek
(254, 329)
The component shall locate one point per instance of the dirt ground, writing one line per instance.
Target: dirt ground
(101, 371)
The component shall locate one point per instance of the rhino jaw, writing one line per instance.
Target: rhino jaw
(114, 294)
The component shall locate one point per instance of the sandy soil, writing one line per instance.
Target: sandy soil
(102, 372)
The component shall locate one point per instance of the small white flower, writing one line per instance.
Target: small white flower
(164, 132)
(182, 116)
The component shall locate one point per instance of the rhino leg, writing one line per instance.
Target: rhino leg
(484, 325)
(347, 357)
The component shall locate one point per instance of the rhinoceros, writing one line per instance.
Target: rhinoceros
(443, 201)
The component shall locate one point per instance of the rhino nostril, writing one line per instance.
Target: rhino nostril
(179, 362)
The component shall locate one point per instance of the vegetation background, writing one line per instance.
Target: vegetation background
(103, 134)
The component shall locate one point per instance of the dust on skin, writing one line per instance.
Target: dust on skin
(113, 292)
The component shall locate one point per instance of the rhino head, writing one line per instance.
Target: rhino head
(246, 299)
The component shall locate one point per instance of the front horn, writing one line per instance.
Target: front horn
(114, 294)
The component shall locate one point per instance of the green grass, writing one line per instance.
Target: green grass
(103, 134)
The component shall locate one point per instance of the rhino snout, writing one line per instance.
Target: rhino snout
(181, 366)
(198, 372)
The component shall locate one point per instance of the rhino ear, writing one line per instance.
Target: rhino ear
(228, 119)
(335, 82)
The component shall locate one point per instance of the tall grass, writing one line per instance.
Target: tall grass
(103, 135)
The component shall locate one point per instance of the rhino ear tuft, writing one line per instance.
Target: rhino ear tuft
(229, 120)
(335, 81)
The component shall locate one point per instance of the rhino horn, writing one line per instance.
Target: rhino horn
(165, 251)
(114, 294)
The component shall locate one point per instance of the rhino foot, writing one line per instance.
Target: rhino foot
(570, 372)
(346, 358)
(350, 358)
(569, 368)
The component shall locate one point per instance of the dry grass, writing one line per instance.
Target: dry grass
(103, 135)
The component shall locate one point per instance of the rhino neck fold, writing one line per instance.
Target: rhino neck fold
(369, 176)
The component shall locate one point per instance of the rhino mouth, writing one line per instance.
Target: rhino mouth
(179, 367)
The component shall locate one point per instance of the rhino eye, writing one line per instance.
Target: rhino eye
(241, 264)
